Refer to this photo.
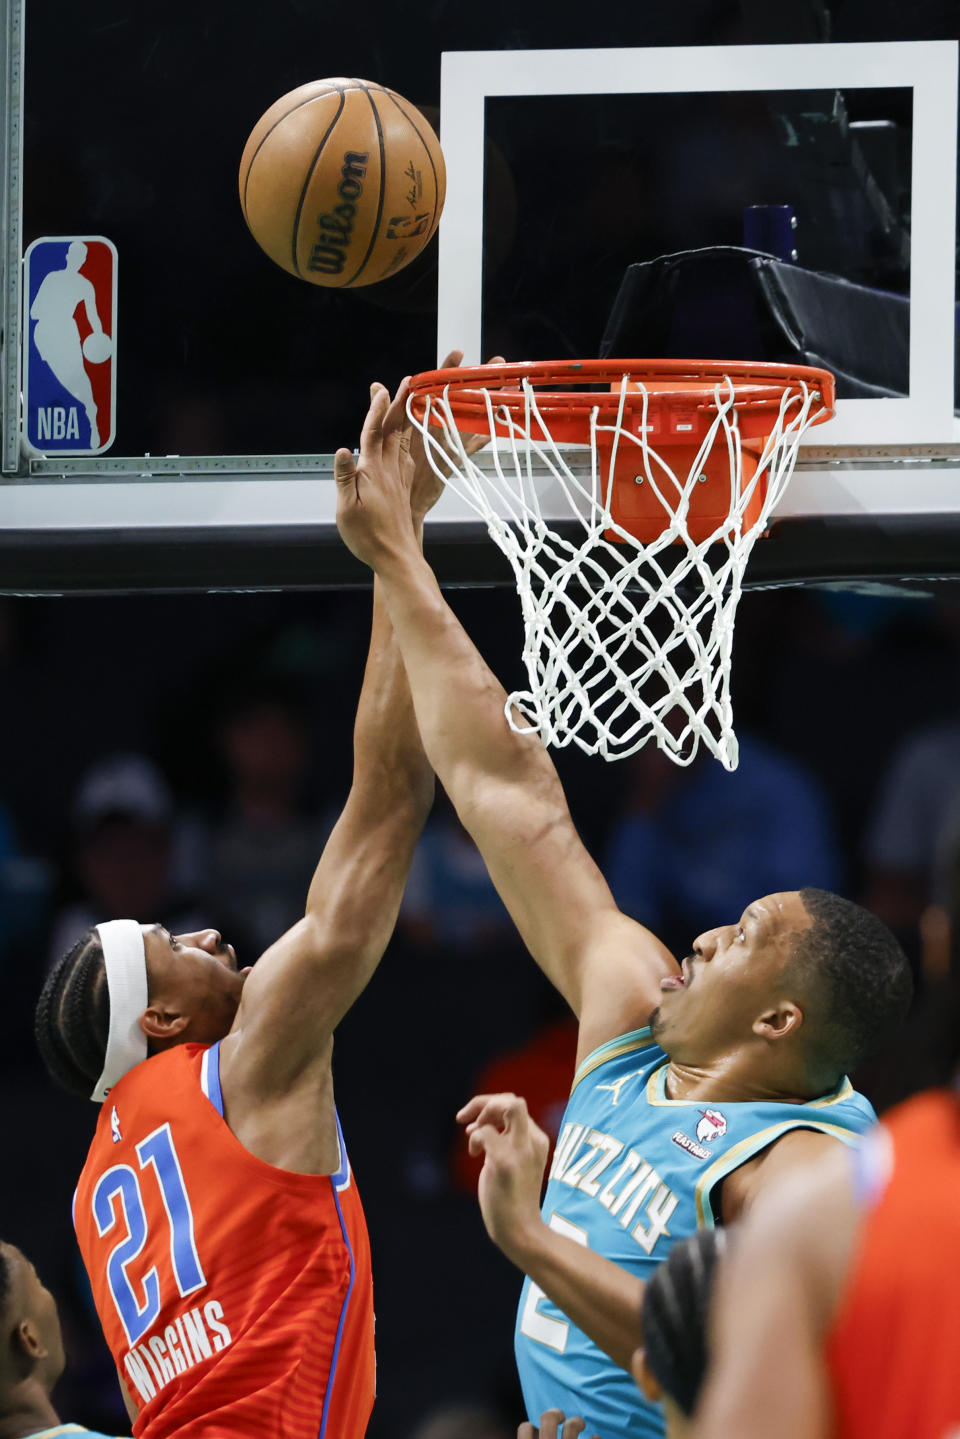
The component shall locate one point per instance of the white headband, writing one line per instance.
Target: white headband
(125, 959)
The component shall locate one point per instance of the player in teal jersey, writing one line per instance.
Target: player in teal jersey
(634, 1171)
(697, 1083)
(31, 1353)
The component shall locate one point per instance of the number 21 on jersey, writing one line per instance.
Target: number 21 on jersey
(118, 1203)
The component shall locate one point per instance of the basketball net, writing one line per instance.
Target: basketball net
(625, 641)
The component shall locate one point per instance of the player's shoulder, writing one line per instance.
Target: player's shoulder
(162, 1085)
(845, 1115)
(844, 1109)
(181, 1063)
(634, 1054)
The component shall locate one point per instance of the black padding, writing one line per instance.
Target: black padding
(727, 303)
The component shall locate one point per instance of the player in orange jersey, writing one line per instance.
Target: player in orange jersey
(216, 1213)
(839, 1312)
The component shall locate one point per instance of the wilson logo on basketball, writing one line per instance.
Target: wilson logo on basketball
(329, 252)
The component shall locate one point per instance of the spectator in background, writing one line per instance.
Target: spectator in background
(262, 849)
(31, 1353)
(915, 828)
(124, 851)
(664, 863)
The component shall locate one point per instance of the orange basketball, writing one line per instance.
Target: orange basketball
(342, 182)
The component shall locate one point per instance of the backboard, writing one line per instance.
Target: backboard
(568, 167)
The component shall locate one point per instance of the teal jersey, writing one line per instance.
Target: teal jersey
(67, 1429)
(632, 1173)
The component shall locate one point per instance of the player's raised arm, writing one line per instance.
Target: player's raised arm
(307, 980)
(503, 785)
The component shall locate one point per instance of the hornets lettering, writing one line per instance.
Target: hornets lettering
(632, 1186)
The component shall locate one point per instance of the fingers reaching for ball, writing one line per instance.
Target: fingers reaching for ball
(373, 494)
(384, 492)
(430, 471)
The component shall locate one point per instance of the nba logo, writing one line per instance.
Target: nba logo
(69, 340)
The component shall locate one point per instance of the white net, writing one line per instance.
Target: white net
(624, 642)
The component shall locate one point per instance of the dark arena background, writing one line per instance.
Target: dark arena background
(182, 635)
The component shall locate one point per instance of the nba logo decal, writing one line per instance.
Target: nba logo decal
(69, 340)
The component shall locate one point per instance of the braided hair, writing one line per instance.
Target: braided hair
(676, 1305)
(72, 1018)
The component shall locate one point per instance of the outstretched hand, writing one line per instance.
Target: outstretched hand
(426, 486)
(515, 1151)
(373, 491)
(553, 1425)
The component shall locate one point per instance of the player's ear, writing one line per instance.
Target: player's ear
(159, 1022)
(27, 1339)
(779, 1021)
(643, 1376)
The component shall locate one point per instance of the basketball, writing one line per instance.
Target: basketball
(342, 182)
(97, 347)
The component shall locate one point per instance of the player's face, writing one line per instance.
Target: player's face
(732, 974)
(194, 974)
(32, 1303)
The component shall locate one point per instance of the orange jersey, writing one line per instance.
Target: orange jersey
(236, 1298)
(892, 1349)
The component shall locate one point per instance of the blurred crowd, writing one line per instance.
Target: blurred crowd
(182, 759)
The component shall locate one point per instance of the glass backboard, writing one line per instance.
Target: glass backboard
(608, 183)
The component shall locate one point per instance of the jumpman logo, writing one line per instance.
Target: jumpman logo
(618, 1085)
(56, 335)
